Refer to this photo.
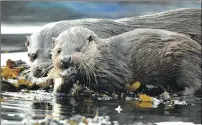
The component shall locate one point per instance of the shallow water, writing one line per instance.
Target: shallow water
(16, 108)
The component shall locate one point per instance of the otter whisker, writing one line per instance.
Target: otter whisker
(25, 74)
(86, 73)
(93, 72)
(46, 70)
(38, 75)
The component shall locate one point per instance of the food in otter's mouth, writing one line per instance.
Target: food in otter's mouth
(65, 72)
(58, 84)
(61, 85)
(144, 55)
(67, 82)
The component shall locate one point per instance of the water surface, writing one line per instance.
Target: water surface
(18, 107)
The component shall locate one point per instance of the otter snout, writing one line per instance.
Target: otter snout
(66, 61)
(36, 71)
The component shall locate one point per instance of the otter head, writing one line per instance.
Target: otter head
(78, 53)
(38, 53)
(74, 48)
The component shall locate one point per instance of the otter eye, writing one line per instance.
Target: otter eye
(33, 56)
(28, 55)
(50, 56)
(59, 51)
(78, 49)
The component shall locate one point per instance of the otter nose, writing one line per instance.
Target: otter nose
(66, 60)
(37, 71)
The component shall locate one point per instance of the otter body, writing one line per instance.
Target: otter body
(186, 21)
(166, 58)
(183, 20)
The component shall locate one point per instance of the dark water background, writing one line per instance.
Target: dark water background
(37, 105)
(16, 109)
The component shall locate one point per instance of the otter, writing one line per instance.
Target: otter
(39, 43)
(166, 58)
(186, 21)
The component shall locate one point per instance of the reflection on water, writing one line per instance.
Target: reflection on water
(16, 108)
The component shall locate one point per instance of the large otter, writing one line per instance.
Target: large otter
(185, 21)
(166, 58)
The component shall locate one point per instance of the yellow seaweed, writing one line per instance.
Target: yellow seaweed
(145, 98)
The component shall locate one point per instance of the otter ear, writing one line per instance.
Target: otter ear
(53, 42)
(27, 42)
(28, 38)
(91, 38)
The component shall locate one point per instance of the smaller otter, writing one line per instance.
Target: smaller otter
(165, 58)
